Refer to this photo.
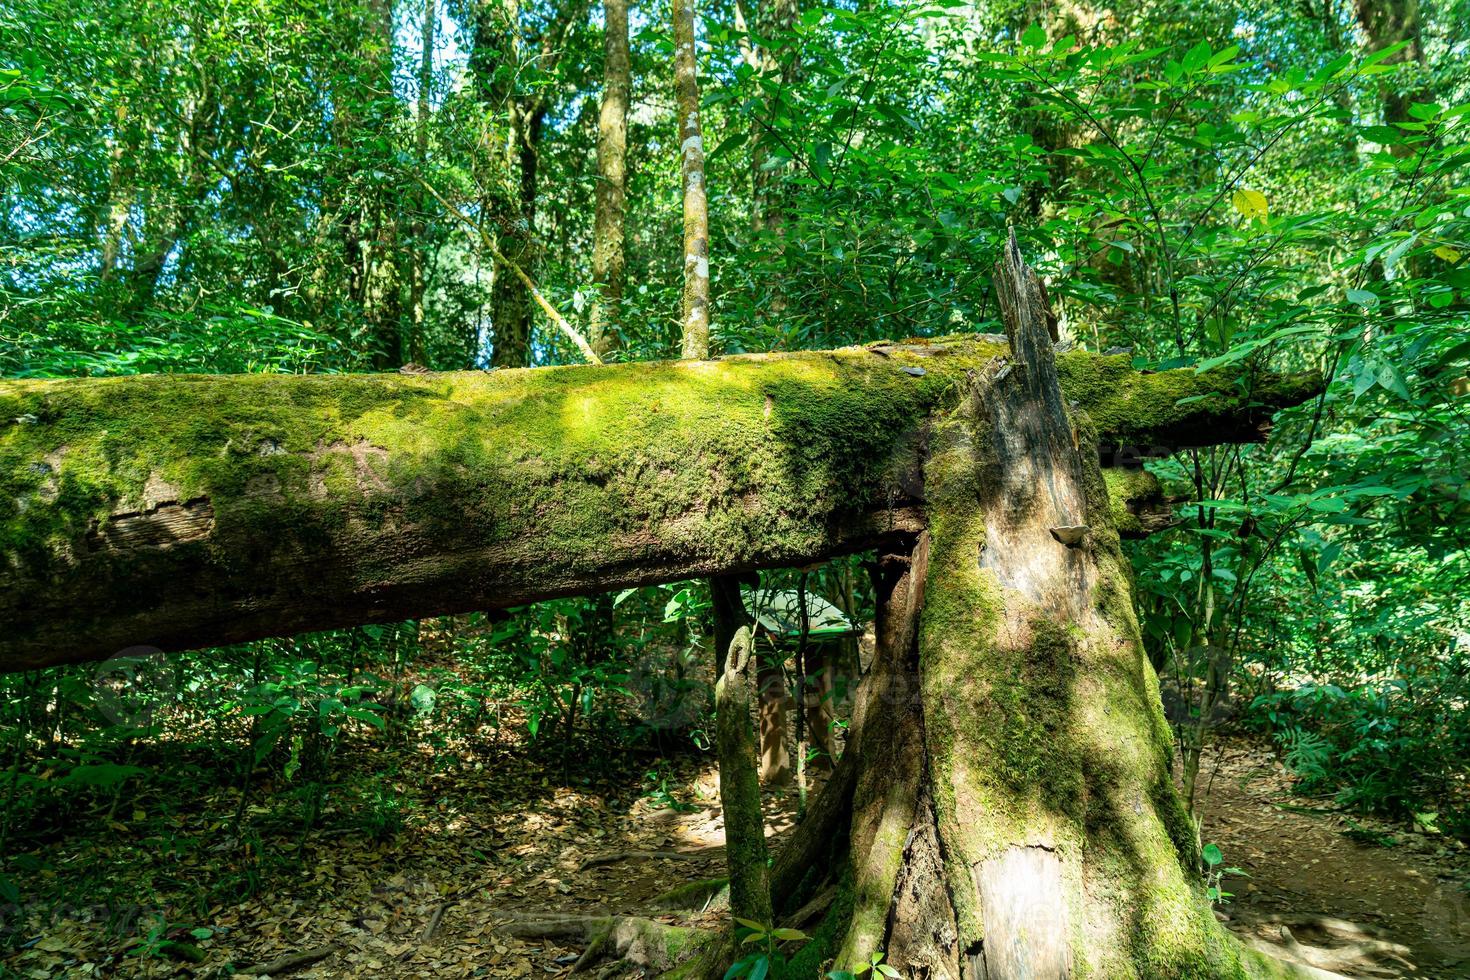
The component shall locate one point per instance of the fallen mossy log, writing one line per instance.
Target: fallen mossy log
(187, 511)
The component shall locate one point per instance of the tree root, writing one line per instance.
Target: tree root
(697, 896)
(288, 962)
(636, 941)
(1332, 946)
(616, 856)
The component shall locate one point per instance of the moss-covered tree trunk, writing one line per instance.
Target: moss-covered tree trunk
(1012, 813)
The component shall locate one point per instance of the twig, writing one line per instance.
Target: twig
(547, 308)
(434, 920)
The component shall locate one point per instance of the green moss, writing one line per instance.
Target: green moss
(1124, 487)
(1165, 410)
(700, 895)
(813, 959)
(712, 461)
(1052, 733)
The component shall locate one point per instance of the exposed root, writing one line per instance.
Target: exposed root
(812, 911)
(1326, 944)
(630, 940)
(288, 963)
(616, 856)
(698, 896)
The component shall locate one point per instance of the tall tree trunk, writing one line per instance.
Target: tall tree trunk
(1012, 813)
(695, 318)
(121, 192)
(1389, 22)
(510, 301)
(418, 250)
(380, 286)
(367, 225)
(608, 235)
(173, 212)
(497, 43)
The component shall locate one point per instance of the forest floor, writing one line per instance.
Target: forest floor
(492, 843)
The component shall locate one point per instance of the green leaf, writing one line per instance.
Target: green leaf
(1362, 297)
(1197, 57)
(1391, 379)
(822, 161)
(727, 144)
(104, 774)
(1034, 37)
(1212, 854)
(787, 934)
(1250, 203)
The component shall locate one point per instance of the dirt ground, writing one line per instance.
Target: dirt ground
(486, 849)
(1305, 866)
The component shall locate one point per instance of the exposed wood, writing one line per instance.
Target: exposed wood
(183, 511)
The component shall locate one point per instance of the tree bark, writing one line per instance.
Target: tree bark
(740, 788)
(695, 319)
(1389, 22)
(510, 301)
(497, 47)
(193, 511)
(773, 19)
(1012, 814)
(608, 267)
(371, 232)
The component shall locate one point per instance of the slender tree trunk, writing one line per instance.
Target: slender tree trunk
(120, 195)
(367, 226)
(1389, 22)
(740, 788)
(510, 301)
(380, 286)
(775, 757)
(695, 319)
(608, 235)
(497, 42)
(418, 250)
